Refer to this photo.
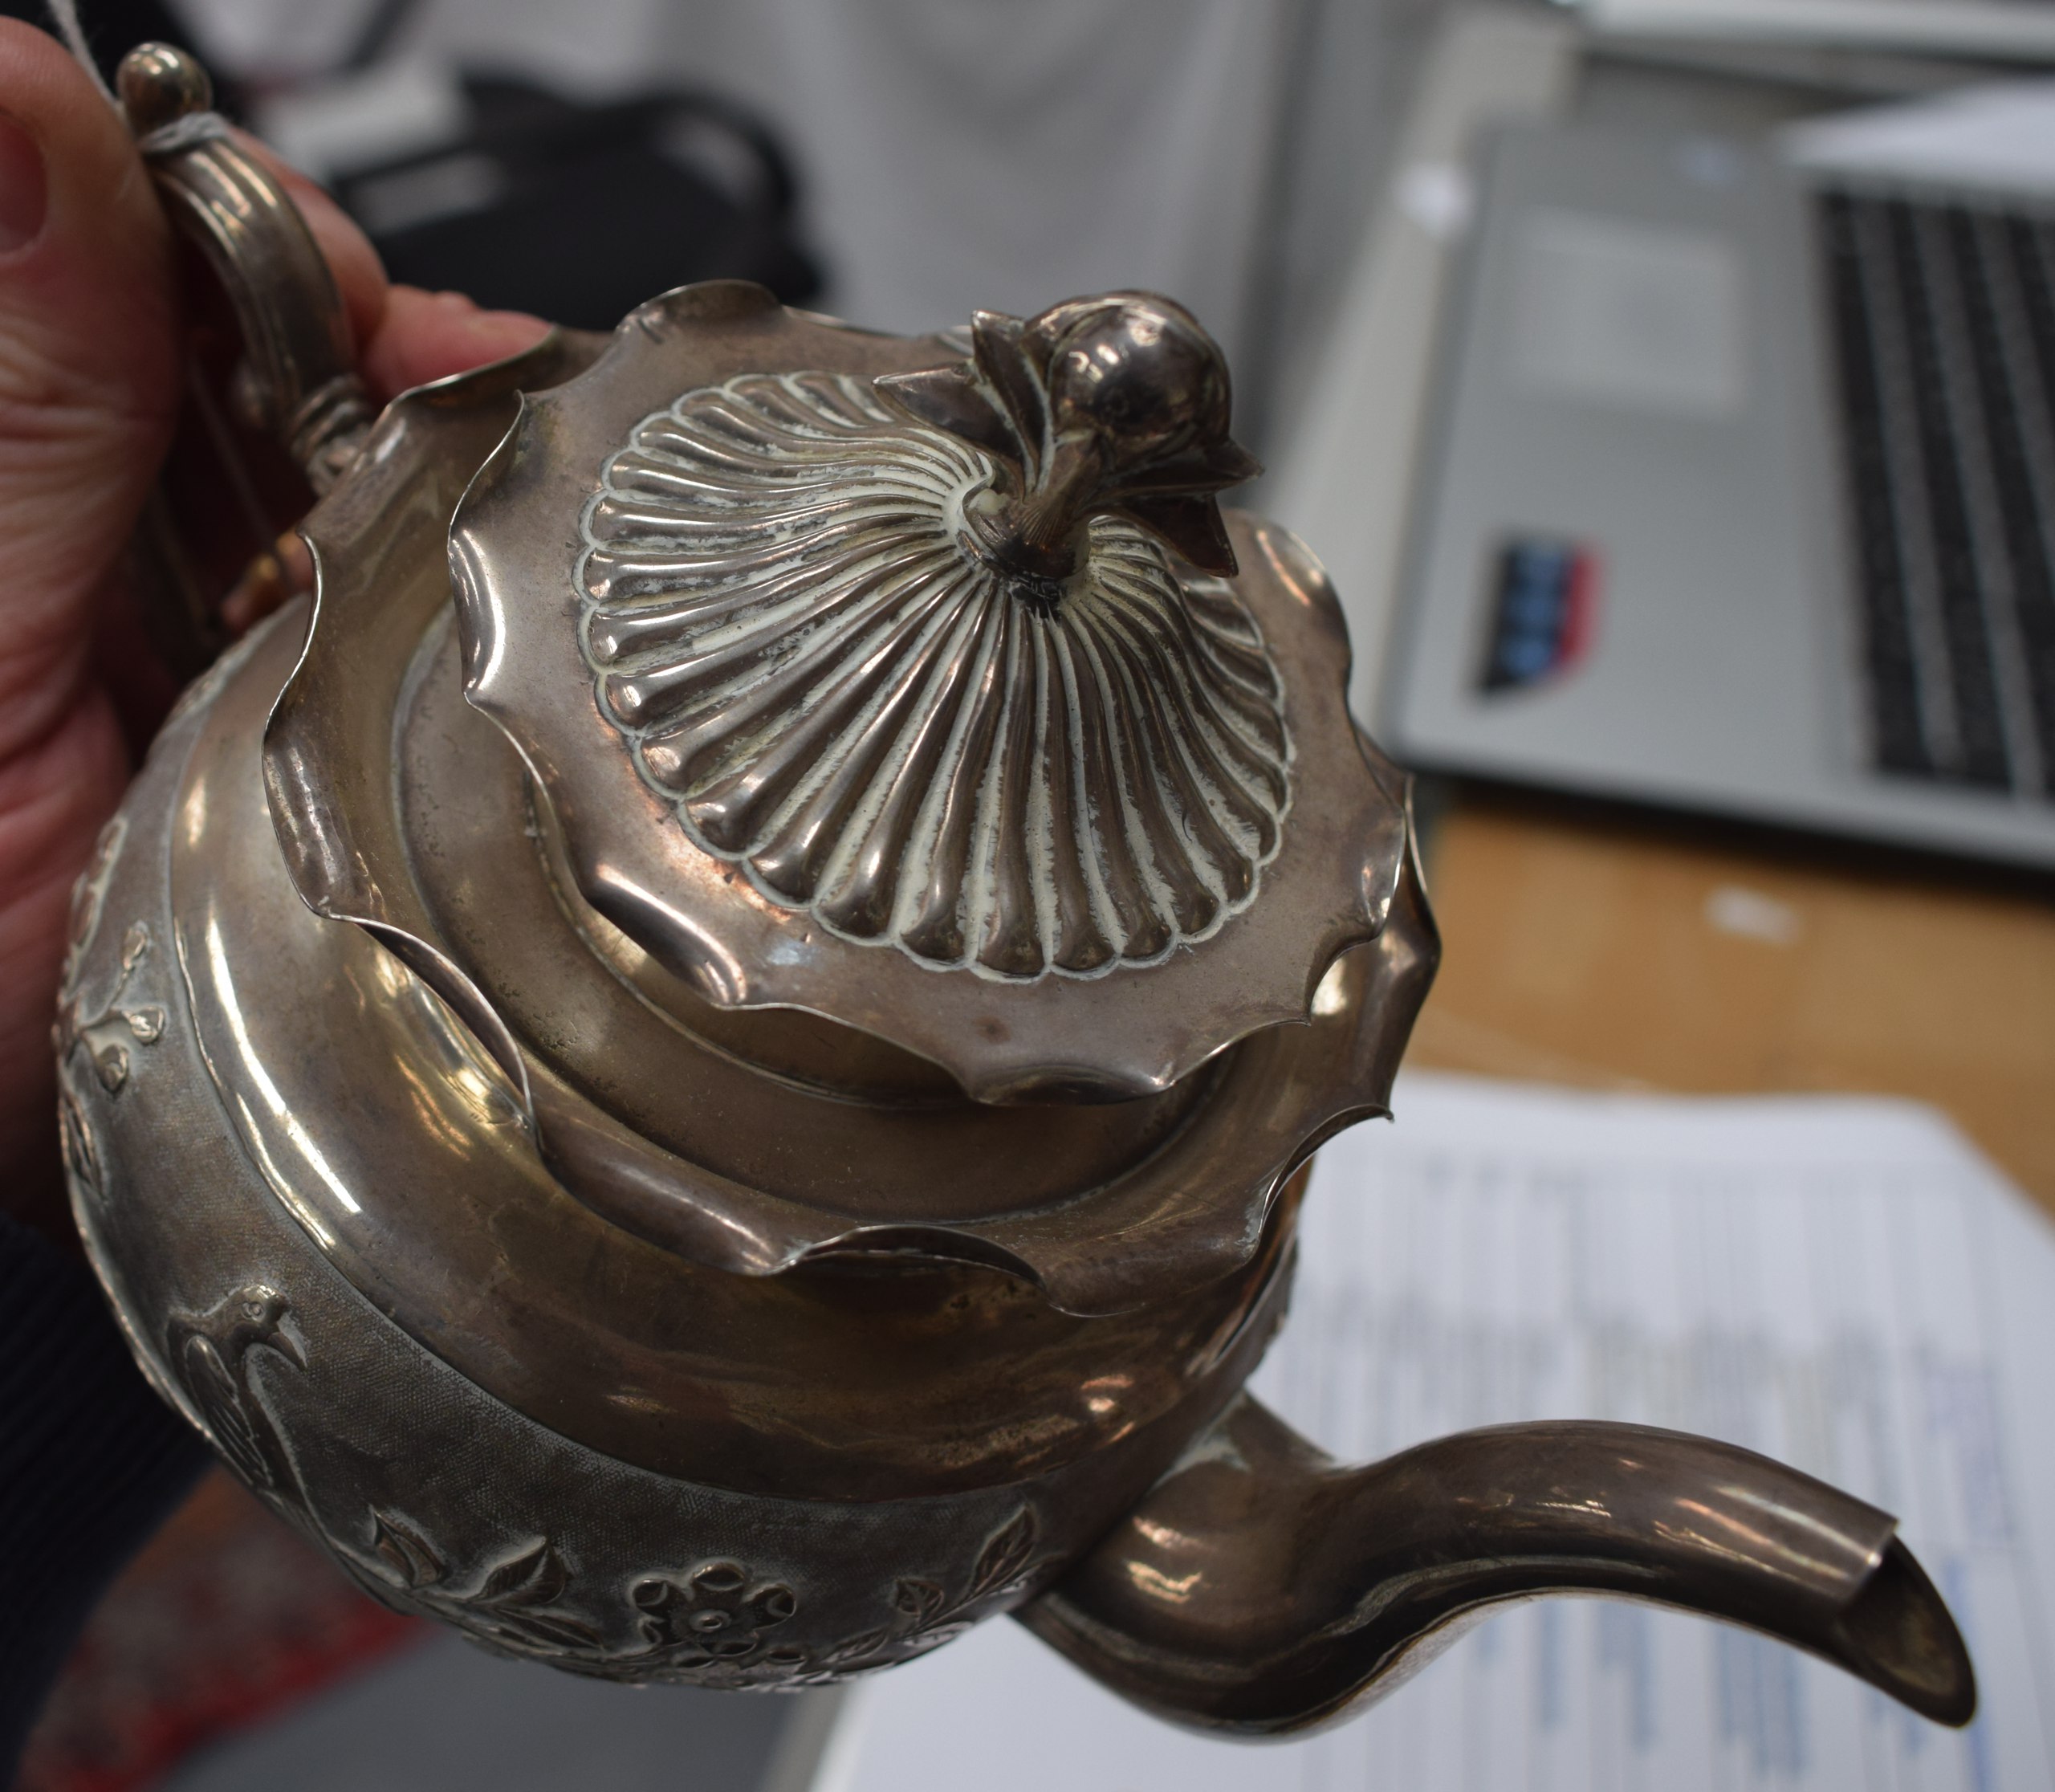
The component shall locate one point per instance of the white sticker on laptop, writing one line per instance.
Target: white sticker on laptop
(1607, 311)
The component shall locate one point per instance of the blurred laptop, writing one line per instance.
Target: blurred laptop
(1740, 494)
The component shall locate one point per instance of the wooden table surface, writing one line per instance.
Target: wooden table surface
(1610, 953)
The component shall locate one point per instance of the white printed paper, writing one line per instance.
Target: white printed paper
(1843, 1284)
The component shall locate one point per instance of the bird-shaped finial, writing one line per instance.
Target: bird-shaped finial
(210, 1355)
(1117, 403)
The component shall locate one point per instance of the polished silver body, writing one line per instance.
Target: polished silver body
(435, 1495)
(505, 1144)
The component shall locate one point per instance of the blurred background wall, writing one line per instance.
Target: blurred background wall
(1006, 153)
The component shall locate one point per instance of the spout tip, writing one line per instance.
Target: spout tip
(1896, 1633)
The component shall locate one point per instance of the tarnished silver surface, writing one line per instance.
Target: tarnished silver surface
(648, 1102)
(789, 618)
(940, 1441)
(405, 1158)
(736, 1100)
(300, 376)
(1078, 809)
(1262, 1586)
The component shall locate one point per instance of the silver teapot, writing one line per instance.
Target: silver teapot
(704, 1068)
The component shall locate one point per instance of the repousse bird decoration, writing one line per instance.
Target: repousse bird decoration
(211, 1355)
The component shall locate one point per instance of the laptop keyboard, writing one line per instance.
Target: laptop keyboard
(1943, 319)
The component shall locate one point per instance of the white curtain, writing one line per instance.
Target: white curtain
(1003, 153)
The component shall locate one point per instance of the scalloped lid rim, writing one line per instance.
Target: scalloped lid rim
(648, 856)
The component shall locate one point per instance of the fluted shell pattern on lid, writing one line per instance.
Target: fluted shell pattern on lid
(785, 622)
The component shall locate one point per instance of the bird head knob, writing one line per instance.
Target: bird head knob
(1119, 403)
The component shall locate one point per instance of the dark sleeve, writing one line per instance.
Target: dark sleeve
(91, 1462)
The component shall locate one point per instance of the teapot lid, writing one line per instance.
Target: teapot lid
(1002, 768)
(920, 684)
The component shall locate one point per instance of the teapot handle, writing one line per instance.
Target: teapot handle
(1261, 1586)
(299, 375)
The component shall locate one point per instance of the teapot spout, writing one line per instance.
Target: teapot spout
(1261, 1588)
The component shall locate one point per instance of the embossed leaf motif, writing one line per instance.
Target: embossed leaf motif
(536, 1579)
(1003, 1559)
(788, 620)
(858, 1647)
(515, 1590)
(88, 898)
(74, 1132)
(551, 1629)
(506, 1602)
(712, 1627)
(106, 1033)
(921, 1642)
(405, 1550)
(920, 1601)
(925, 1617)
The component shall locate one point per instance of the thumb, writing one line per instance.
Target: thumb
(88, 387)
(89, 369)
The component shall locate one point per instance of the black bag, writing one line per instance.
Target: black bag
(573, 210)
(578, 212)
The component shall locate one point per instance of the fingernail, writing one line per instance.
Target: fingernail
(24, 186)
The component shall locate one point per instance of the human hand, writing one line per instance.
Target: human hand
(91, 374)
